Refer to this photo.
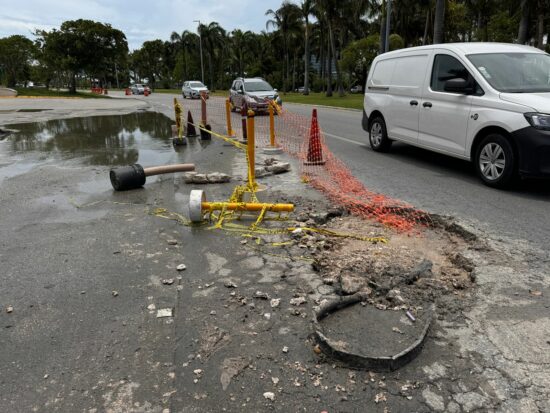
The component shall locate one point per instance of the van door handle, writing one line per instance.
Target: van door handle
(427, 104)
(413, 103)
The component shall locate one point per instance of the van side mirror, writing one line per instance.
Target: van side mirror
(459, 85)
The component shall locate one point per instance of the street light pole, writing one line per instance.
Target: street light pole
(200, 46)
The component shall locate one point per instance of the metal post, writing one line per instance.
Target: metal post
(388, 20)
(230, 131)
(250, 148)
(200, 47)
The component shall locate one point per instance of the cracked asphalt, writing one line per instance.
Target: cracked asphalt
(71, 344)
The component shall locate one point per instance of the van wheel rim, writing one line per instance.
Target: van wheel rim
(376, 134)
(492, 161)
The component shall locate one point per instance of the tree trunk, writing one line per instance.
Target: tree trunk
(540, 25)
(524, 22)
(439, 21)
(383, 28)
(335, 58)
(425, 38)
(329, 71)
(306, 60)
(73, 83)
(211, 70)
(322, 62)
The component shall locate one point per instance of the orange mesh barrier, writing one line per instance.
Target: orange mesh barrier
(303, 139)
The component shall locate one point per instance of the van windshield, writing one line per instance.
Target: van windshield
(514, 72)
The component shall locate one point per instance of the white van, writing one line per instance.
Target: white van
(484, 102)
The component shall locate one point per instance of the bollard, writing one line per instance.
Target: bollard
(133, 176)
(198, 206)
(272, 149)
(243, 123)
(230, 131)
(179, 138)
(205, 127)
(250, 149)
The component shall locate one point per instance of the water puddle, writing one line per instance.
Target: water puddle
(98, 140)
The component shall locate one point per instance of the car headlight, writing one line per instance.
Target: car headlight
(538, 120)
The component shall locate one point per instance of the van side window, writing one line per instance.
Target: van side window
(447, 67)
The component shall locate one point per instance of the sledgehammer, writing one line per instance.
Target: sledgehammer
(133, 176)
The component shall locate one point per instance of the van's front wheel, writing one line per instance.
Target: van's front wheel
(378, 136)
(495, 161)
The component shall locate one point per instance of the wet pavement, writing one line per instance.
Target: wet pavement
(83, 268)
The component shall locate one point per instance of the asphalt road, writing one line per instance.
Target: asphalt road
(437, 183)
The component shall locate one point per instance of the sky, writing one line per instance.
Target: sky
(140, 20)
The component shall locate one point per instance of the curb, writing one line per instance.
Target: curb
(369, 362)
(323, 106)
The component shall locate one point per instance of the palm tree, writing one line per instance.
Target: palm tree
(286, 19)
(306, 9)
(240, 49)
(330, 10)
(439, 21)
(213, 38)
(187, 41)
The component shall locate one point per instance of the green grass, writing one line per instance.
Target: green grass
(349, 101)
(39, 92)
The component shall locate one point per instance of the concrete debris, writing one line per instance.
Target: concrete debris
(231, 368)
(115, 293)
(269, 395)
(151, 307)
(271, 167)
(261, 295)
(168, 281)
(275, 380)
(298, 301)
(535, 293)
(275, 302)
(230, 284)
(9, 309)
(380, 397)
(172, 242)
(181, 267)
(267, 316)
(285, 349)
(211, 178)
(164, 312)
(213, 312)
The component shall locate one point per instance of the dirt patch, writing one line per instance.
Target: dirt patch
(404, 272)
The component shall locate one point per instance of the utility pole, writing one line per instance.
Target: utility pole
(388, 20)
(200, 46)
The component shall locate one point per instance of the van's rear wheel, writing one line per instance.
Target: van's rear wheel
(378, 136)
(494, 161)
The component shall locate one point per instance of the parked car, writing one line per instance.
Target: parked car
(137, 89)
(255, 92)
(484, 102)
(300, 89)
(192, 89)
(356, 89)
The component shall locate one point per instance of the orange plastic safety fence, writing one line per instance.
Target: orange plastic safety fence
(302, 138)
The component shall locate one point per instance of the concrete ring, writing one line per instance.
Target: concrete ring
(196, 198)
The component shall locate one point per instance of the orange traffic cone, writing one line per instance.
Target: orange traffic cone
(190, 125)
(314, 150)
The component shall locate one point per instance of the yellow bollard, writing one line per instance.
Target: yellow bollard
(177, 113)
(230, 131)
(251, 150)
(272, 149)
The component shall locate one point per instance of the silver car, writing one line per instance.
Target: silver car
(192, 89)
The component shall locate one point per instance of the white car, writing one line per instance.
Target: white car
(192, 89)
(484, 102)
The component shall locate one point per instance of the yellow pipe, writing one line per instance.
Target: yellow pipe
(244, 206)
(271, 126)
(251, 148)
(230, 131)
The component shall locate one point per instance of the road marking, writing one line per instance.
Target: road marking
(343, 139)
